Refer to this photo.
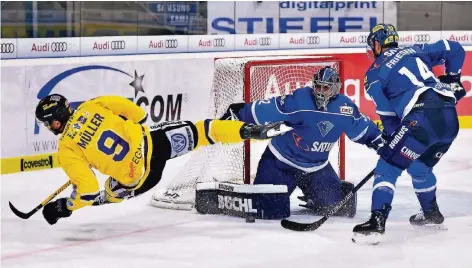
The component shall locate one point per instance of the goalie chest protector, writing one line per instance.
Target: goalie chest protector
(266, 201)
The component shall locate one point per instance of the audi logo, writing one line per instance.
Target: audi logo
(219, 42)
(363, 39)
(58, 46)
(118, 45)
(172, 43)
(265, 41)
(8, 48)
(422, 37)
(313, 40)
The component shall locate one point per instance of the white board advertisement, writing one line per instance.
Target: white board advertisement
(13, 112)
(249, 17)
(163, 88)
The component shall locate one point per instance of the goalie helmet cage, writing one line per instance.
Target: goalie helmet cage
(244, 80)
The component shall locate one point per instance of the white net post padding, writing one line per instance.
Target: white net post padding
(238, 80)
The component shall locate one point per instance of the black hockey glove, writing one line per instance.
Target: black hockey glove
(55, 210)
(454, 80)
(262, 132)
(378, 142)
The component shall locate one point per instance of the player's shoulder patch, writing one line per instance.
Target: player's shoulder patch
(345, 109)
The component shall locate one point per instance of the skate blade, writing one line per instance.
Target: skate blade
(367, 239)
(434, 227)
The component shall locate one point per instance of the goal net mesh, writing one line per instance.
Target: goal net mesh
(238, 80)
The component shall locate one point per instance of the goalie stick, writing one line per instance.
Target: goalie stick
(29, 214)
(297, 226)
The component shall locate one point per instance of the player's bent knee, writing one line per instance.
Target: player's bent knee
(240, 200)
(419, 169)
(117, 192)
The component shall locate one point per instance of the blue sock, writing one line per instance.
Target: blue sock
(384, 184)
(426, 199)
(382, 196)
(424, 183)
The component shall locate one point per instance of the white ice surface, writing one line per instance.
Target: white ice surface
(133, 234)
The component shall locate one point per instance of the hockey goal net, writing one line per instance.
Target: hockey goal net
(238, 80)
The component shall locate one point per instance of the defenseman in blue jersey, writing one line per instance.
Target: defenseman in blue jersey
(318, 116)
(419, 115)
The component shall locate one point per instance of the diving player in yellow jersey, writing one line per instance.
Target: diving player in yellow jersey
(106, 134)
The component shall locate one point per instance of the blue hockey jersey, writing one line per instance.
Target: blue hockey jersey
(398, 77)
(315, 132)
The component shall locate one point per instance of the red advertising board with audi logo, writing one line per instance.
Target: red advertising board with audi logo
(355, 66)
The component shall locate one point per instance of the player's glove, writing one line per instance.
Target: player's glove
(261, 132)
(55, 210)
(378, 142)
(454, 80)
(232, 111)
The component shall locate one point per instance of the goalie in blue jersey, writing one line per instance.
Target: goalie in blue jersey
(420, 119)
(318, 116)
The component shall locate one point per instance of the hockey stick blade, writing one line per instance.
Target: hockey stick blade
(301, 227)
(21, 214)
(32, 212)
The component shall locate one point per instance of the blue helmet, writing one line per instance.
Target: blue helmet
(326, 86)
(385, 34)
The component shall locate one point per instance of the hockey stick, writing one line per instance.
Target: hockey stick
(29, 214)
(297, 226)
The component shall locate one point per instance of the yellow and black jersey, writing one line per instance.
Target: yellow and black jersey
(105, 134)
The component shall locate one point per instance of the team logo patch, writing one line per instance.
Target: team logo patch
(300, 143)
(325, 127)
(347, 110)
(77, 126)
(179, 142)
(82, 119)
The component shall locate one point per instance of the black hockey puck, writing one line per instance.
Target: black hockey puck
(250, 219)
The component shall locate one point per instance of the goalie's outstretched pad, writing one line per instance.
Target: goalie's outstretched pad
(268, 202)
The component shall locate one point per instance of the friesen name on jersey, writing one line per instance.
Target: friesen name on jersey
(398, 56)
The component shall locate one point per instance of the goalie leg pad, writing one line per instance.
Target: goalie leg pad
(268, 202)
(323, 190)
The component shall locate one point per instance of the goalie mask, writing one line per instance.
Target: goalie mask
(53, 107)
(326, 86)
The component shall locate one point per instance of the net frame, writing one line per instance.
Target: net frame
(249, 64)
